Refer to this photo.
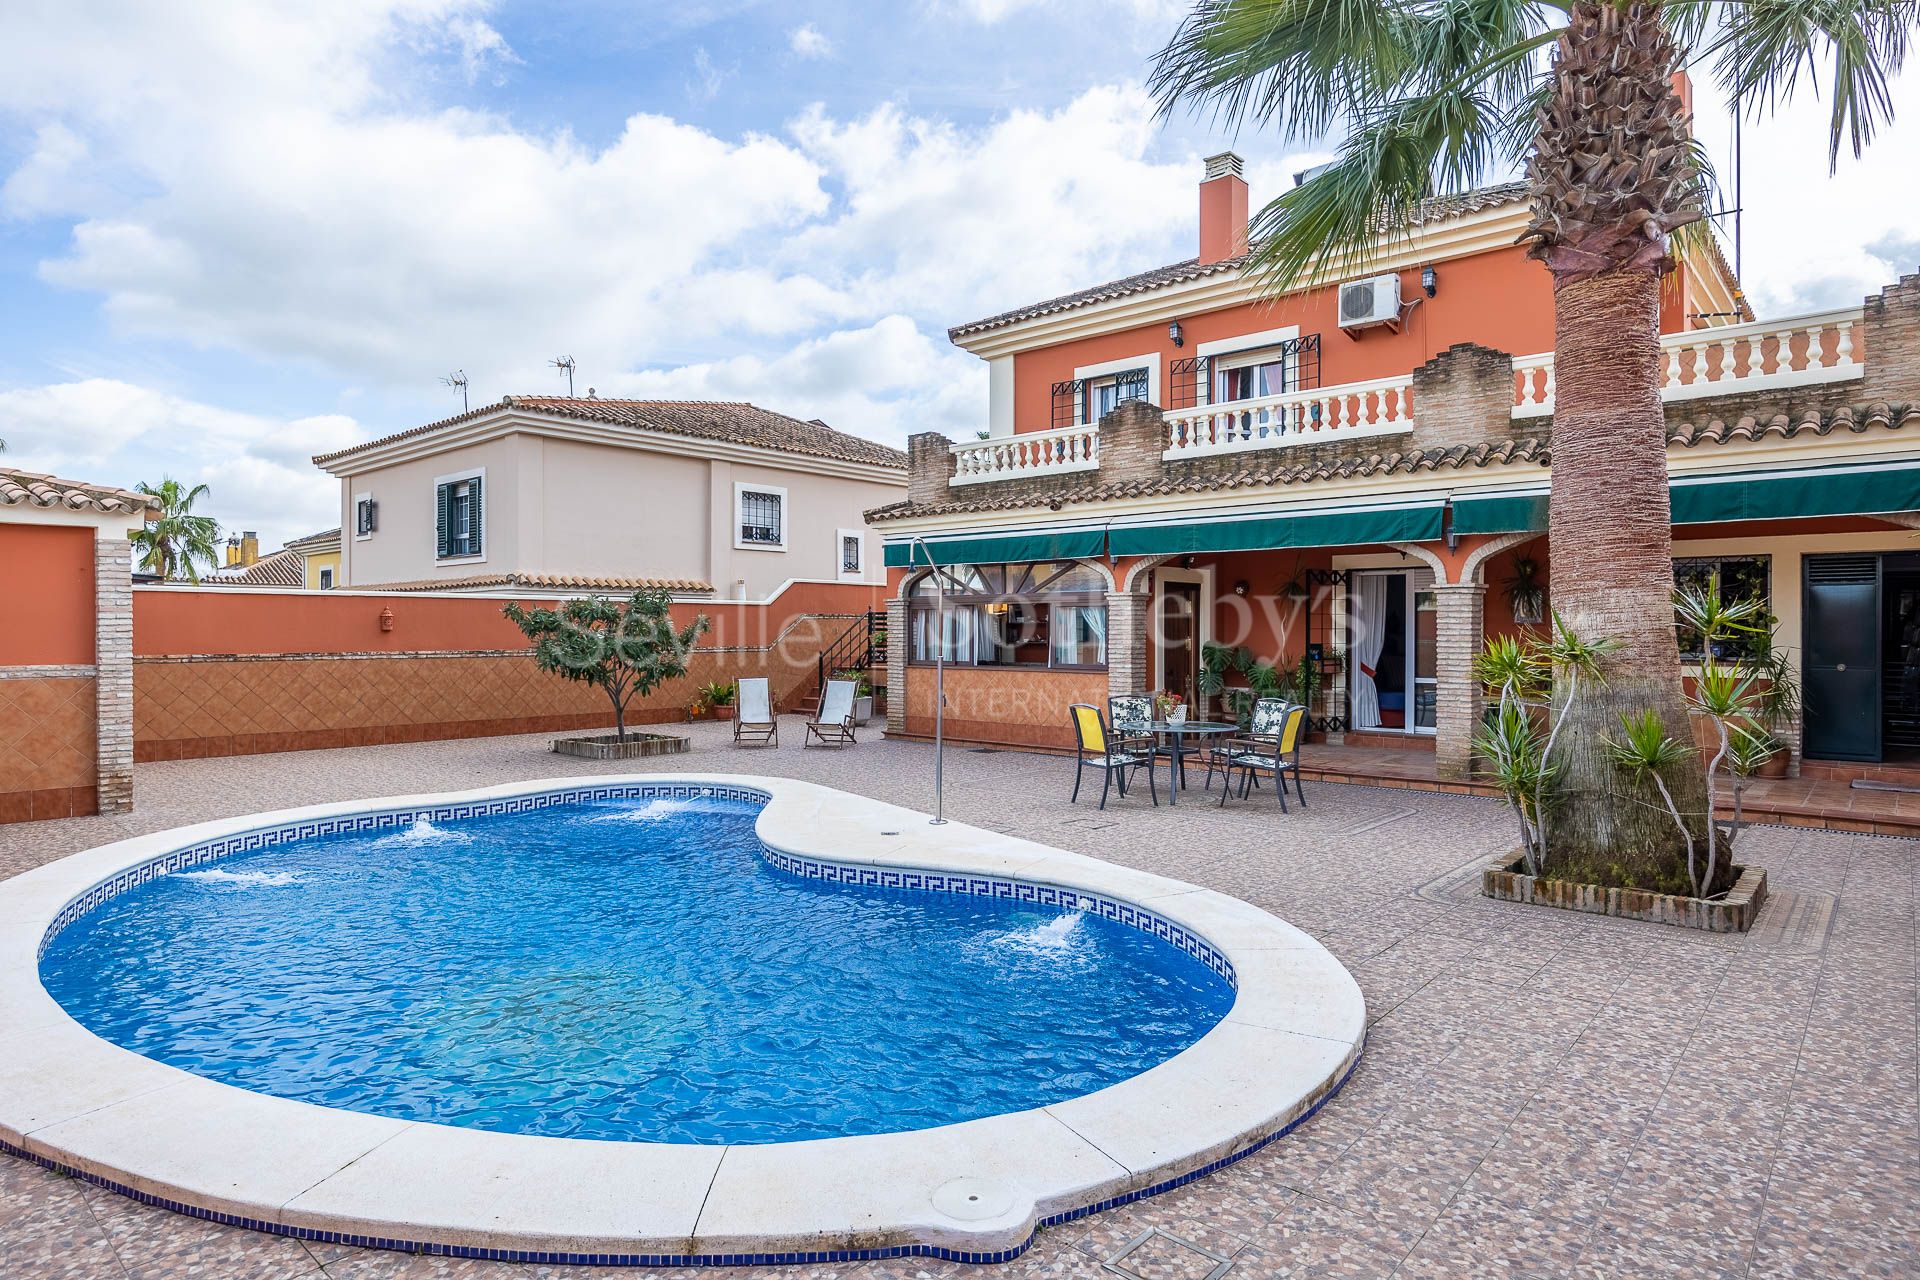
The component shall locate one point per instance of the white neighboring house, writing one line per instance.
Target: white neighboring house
(534, 491)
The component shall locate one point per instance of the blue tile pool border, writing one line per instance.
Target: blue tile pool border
(319, 1235)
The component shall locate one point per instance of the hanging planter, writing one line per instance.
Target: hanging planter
(1526, 593)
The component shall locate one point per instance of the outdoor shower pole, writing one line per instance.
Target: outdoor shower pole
(939, 682)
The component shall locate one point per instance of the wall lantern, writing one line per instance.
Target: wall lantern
(1241, 588)
(386, 618)
(1429, 279)
(1179, 335)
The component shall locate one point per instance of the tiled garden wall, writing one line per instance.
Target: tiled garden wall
(47, 674)
(222, 672)
(1021, 706)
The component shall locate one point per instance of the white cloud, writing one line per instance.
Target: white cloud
(885, 381)
(808, 42)
(108, 431)
(708, 79)
(993, 12)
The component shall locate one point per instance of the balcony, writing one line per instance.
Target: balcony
(1325, 415)
(1032, 453)
(1821, 360)
(1771, 355)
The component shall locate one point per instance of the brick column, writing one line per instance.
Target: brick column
(1132, 438)
(1463, 396)
(113, 666)
(929, 467)
(1126, 643)
(896, 665)
(1891, 324)
(1459, 625)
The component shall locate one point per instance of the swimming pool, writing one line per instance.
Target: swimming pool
(632, 968)
(173, 942)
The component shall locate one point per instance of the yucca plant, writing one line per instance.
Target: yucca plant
(1514, 751)
(1730, 693)
(1645, 749)
(1435, 97)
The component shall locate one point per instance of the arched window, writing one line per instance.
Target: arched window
(1050, 614)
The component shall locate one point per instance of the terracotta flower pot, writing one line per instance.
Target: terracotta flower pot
(721, 712)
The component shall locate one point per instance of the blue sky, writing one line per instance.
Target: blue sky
(233, 235)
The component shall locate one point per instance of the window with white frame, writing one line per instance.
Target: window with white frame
(326, 579)
(851, 553)
(366, 515)
(459, 510)
(760, 517)
(1248, 375)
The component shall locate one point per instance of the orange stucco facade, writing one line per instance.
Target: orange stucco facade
(1500, 299)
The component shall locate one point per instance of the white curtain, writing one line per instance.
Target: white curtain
(1074, 623)
(1369, 638)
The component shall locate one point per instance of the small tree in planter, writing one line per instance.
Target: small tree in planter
(627, 648)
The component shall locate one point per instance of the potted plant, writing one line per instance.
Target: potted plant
(625, 648)
(717, 699)
(1526, 593)
(862, 694)
(1169, 707)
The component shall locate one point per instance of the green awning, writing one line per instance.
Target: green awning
(1005, 548)
(1500, 513)
(1826, 491)
(1346, 527)
(1754, 495)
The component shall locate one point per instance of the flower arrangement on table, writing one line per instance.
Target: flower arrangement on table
(1169, 707)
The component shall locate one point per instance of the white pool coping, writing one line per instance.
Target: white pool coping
(974, 1191)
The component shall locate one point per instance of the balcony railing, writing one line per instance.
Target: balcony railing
(1797, 352)
(1326, 415)
(1035, 453)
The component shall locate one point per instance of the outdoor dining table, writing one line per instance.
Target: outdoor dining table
(1177, 729)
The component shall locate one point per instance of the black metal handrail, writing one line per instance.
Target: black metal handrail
(855, 649)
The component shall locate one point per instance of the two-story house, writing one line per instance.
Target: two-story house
(550, 493)
(1356, 475)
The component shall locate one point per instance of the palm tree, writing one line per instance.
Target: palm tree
(175, 544)
(1437, 96)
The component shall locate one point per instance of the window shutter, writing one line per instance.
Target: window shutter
(474, 542)
(443, 522)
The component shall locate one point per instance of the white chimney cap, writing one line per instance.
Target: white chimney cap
(1226, 164)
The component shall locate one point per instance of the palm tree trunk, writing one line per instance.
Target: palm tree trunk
(1610, 543)
(1612, 177)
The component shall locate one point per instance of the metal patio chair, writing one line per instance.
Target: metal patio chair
(1276, 751)
(1109, 752)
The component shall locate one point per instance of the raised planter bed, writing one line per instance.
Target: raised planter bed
(608, 746)
(1505, 878)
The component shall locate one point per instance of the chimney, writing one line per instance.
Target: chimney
(249, 548)
(1223, 209)
(233, 553)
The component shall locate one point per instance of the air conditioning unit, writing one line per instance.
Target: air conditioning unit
(1369, 302)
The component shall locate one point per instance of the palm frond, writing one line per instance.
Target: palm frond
(1292, 64)
(1761, 50)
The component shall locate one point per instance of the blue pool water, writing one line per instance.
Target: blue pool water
(628, 969)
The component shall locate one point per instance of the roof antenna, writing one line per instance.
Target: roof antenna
(458, 378)
(565, 364)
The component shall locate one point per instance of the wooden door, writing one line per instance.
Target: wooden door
(1180, 639)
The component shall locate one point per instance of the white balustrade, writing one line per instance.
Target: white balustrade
(1800, 351)
(1033, 453)
(1533, 385)
(1325, 415)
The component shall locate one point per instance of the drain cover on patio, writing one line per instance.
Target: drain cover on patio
(1160, 1255)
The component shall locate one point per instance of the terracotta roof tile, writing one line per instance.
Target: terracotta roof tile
(32, 489)
(539, 582)
(323, 536)
(1272, 471)
(284, 568)
(731, 421)
(1434, 210)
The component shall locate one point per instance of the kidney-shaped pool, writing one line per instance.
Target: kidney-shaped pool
(631, 969)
